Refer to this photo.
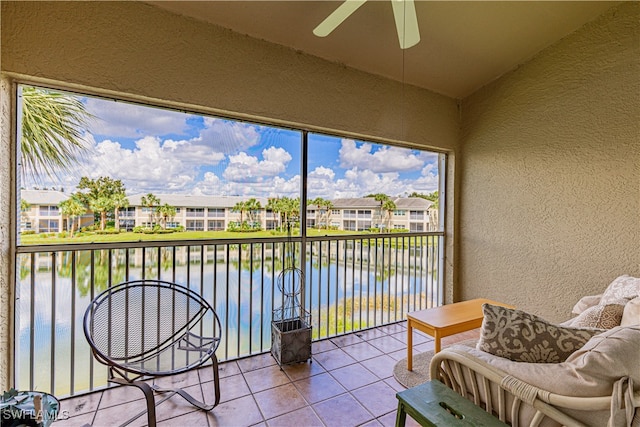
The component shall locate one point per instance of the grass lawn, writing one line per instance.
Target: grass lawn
(52, 238)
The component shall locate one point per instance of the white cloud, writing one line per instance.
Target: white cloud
(228, 137)
(244, 168)
(154, 164)
(266, 187)
(384, 160)
(151, 165)
(126, 120)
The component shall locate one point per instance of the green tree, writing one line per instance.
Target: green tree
(286, 208)
(119, 201)
(102, 205)
(100, 195)
(240, 207)
(166, 211)
(52, 131)
(433, 197)
(253, 207)
(72, 208)
(380, 198)
(324, 210)
(150, 201)
(292, 209)
(24, 207)
(388, 207)
(276, 206)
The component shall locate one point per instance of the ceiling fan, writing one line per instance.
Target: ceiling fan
(404, 12)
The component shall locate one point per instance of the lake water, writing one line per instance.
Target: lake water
(345, 290)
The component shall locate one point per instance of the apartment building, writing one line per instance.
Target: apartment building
(194, 213)
(359, 214)
(41, 212)
(215, 213)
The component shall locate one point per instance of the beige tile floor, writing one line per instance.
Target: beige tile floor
(349, 383)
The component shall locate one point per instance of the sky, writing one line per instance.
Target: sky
(163, 151)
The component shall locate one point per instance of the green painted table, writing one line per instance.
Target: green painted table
(434, 404)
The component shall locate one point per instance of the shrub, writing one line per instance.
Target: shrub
(399, 230)
(108, 231)
(158, 231)
(26, 232)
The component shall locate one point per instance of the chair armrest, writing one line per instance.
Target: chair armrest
(504, 395)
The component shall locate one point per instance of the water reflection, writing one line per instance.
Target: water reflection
(350, 285)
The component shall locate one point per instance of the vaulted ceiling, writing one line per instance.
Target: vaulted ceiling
(464, 44)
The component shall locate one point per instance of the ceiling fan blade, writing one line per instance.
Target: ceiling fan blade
(404, 12)
(340, 14)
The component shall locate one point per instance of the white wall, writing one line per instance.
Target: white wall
(550, 179)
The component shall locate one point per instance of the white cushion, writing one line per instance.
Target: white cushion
(623, 287)
(589, 371)
(585, 303)
(631, 314)
(604, 316)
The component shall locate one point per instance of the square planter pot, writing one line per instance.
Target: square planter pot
(290, 341)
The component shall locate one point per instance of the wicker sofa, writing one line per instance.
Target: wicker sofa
(596, 383)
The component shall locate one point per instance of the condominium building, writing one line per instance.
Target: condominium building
(41, 212)
(216, 213)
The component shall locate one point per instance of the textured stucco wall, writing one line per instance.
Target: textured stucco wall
(135, 51)
(7, 235)
(550, 179)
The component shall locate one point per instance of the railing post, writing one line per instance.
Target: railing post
(303, 221)
(412, 265)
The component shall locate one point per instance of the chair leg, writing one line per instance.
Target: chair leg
(191, 399)
(149, 398)
(216, 379)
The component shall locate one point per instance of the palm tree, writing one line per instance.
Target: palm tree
(240, 207)
(24, 207)
(275, 205)
(292, 209)
(389, 207)
(382, 198)
(72, 208)
(119, 201)
(102, 205)
(166, 211)
(324, 209)
(253, 207)
(53, 125)
(150, 201)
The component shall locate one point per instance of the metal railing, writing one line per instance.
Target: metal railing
(351, 283)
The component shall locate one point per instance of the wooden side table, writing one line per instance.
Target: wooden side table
(446, 320)
(434, 404)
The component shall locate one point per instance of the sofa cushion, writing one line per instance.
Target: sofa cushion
(631, 314)
(524, 337)
(590, 371)
(586, 302)
(623, 287)
(599, 316)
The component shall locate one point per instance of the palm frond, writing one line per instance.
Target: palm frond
(53, 126)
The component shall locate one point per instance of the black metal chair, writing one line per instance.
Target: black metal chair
(145, 329)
